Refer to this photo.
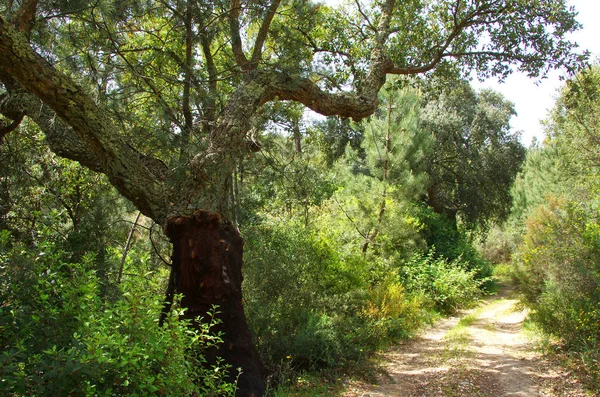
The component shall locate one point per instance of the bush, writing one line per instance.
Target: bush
(449, 286)
(391, 313)
(559, 271)
(312, 307)
(295, 283)
(59, 337)
(447, 241)
(499, 244)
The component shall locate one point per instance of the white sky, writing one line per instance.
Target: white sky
(532, 101)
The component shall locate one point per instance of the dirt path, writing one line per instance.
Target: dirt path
(482, 353)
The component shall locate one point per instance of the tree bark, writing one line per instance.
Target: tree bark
(207, 265)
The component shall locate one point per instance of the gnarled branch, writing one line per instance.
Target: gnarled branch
(97, 135)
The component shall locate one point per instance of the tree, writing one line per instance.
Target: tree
(574, 121)
(546, 173)
(334, 134)
(395, 149)
(476, 155)
(556, 214)
(161, 96)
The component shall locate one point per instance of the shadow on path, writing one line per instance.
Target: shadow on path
(489, 357)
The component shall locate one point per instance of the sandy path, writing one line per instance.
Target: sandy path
(483, 353)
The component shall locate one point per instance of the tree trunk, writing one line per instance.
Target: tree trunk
(207, 263)
(297, 137)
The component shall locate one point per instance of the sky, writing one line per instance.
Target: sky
(533, 101)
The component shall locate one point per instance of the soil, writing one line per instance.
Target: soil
(481, 353)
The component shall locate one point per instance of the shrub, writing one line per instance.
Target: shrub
(449, 286)
(499, 244)
(559, 272)
(317, 306)
(292, 277)
(558, 268)
(59, 337)
(447, 241)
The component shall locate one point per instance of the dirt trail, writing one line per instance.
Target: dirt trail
(482, 353)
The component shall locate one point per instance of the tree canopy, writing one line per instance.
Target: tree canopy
(161, 96)
(476, 156)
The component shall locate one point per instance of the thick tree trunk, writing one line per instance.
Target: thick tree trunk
(207, 261)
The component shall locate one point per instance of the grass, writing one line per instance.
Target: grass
(458, 339)
(308, 385)
(468, 320)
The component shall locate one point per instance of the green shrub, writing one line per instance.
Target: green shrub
(499, 244)
(59, 338)
(447, 241)
(307, 301)
(559, 271)
(319, 343)
(290, 275)
(448, 285)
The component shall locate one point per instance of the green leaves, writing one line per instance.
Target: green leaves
(556, 208)
(64, 340)
(476, 155)
(448, 285)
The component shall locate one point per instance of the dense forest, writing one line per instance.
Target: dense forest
(150, 148)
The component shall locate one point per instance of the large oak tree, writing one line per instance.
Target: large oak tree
(476, 155)
(163, 96)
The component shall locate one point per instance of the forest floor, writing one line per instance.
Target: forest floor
(481, 353)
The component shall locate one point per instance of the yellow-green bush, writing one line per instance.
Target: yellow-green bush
(315, 307)
(559, 272)
(448, 286)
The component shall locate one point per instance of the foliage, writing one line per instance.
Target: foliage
(559, 274)
(557, 206)
(51, 199)
(153, 88)
(333, 136)
(556, 202)
(574, 120)
(446, 241)
(449, 286)
(341, 301)
(476, 155)
(67, 326)
(376, 192)
(166, 98)
(498, 245)
(60, 338)
(335, 308)
(282, 181)
(547, 172)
